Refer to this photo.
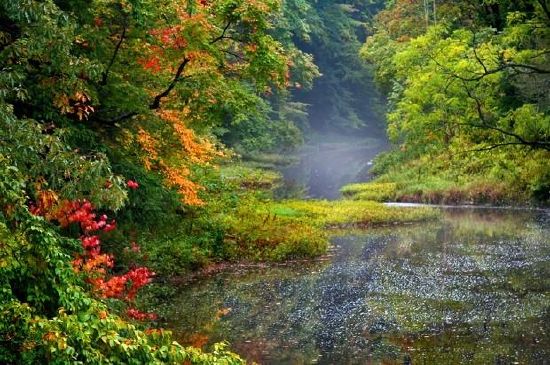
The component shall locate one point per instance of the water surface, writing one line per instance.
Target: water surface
(472, 288)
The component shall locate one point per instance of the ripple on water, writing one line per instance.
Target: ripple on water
(472, 288)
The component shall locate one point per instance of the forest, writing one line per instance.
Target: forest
(145, 144)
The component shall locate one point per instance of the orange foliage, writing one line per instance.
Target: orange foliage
(179, 178)
(174, 166)
(148, 144)
(98, 263)
(198, 340)
(173, 163)
(198, 151)
(45, 201)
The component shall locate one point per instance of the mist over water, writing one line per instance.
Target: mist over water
(329, 163)
(471, 288)
(348, 129)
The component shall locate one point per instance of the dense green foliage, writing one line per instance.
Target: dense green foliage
(469, 106)
(139, 109)
(124, 108)
(344, 98)
(96, 95)
(47, 313)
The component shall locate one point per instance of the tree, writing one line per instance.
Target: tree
(88, 87)
(454, 86)
(475, 82)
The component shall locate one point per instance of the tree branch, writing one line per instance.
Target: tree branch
(495, 146)
(476, 55)
(221, 36)
(512, 65)
(155, 104)
(233, 54)
(485, 125)
(486, 72)
(115, 53)
(116, 119)
(234, 39)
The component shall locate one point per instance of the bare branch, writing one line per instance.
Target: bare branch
(221, 36)
(115, 53)
(155, 104)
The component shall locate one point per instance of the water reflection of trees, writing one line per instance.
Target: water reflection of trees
(472, 288)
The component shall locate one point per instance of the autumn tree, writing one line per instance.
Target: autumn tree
(92, 93)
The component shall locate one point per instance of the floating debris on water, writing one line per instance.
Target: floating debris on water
(473, 287)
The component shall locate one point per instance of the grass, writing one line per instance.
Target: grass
(248, 177)
(262, 160)
(242, 222)
(418, 183)
(254, 232)
(434, 190)
(292, 229)
(379, 192)
(260, 228)
(350, 213)
(503, 177)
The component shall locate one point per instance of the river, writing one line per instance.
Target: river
(472, 288)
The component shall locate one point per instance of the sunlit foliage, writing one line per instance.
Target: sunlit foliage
(469, 93)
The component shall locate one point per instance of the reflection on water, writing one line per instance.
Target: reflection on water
(474, 288)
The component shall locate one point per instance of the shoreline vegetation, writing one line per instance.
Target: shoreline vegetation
(257, 227)
(473, 194)
(121, 123)
(468, 107)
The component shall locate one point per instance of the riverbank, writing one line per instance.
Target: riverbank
(434, 182)
(476, 194)
(251, 225)
(468, 286)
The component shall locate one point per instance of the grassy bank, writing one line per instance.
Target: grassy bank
(471, 178)
(346, 213)
(243, 222)
(436, 191)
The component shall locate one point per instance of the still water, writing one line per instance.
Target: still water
(473, 287)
